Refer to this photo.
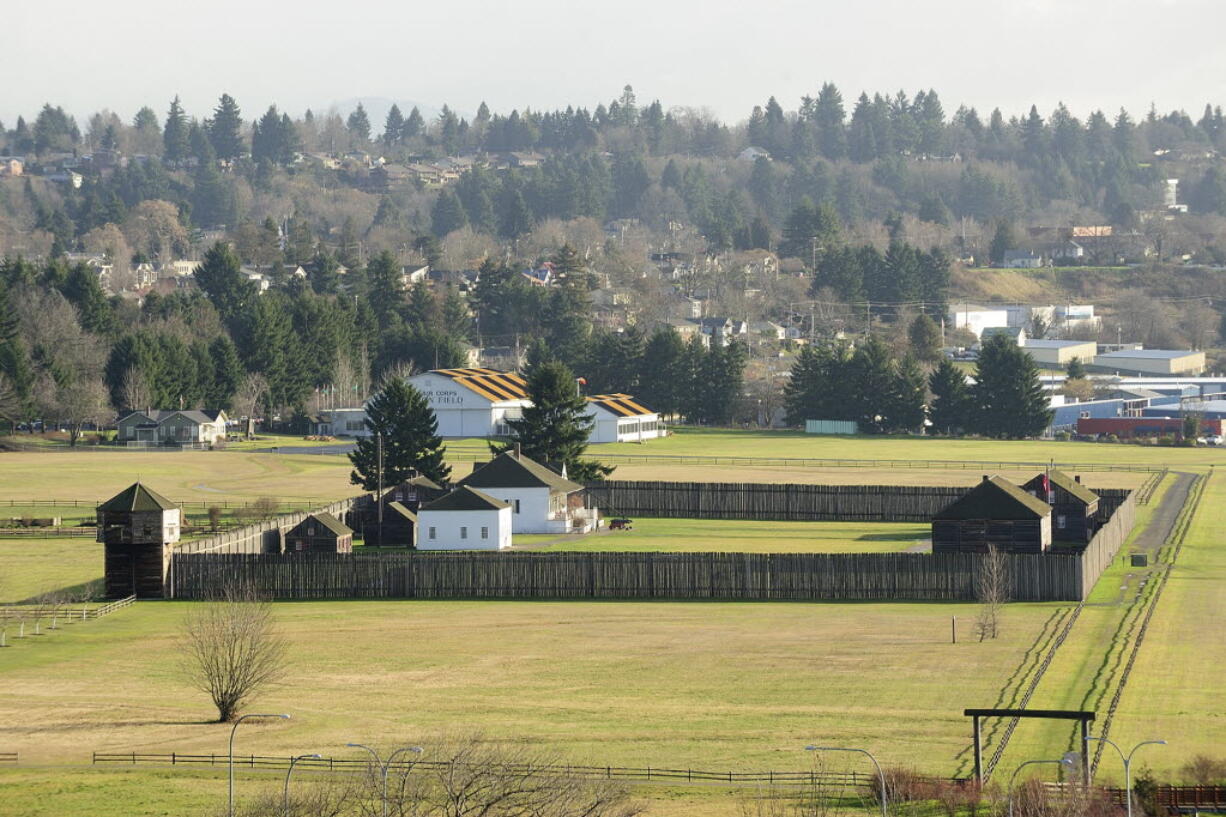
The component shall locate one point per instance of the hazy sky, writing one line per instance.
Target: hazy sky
(86, 54)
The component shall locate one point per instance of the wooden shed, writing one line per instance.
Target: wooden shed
(138, 527)
(994, 512)
(415, 492)
(319, 533)
(1074, 507)
(398, 530)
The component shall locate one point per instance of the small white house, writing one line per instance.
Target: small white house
(619, 419)
(541, 499)
(156, 427)
(465, 519)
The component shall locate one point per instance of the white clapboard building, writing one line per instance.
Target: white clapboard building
(465, 519)
(478, 403)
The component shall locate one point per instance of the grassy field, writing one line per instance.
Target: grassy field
(705, 685)
(29, 567)
(736, 535)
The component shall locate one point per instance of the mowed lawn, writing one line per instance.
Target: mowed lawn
(1176, 691)
(198, 476)
(32, 566)
(732, 535)
(702, 685)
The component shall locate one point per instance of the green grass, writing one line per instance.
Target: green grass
(707, 685)
(736, 535)
(31, 566)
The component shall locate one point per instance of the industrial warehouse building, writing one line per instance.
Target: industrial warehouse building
(1151, 361)
(1055, 354)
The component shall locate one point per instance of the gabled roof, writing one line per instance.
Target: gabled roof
(466, 499)
(136, 497)
(622, 405)
(489, 383)
(509, 471)
(1067, 483)
(423, 481)
(160, 416)
(328, 521)
(996, 498)
(400, 510)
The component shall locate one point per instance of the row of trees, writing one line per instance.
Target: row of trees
(886, 394)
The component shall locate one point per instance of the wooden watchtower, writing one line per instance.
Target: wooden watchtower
(139, 528)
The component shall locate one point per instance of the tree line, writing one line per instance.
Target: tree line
(885, 393)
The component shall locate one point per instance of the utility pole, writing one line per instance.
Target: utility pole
(379, 478)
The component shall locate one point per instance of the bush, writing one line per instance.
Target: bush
(1203, 770)
(214, 518)
(1063, 436)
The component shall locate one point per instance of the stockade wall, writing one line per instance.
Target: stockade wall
(261, 537)
(1106, 542)
(617, 575)
(776, 502)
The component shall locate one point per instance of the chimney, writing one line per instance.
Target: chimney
(1077, 479)
(986, 478)
(518, 451)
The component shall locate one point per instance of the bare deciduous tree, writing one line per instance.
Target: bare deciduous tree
(80, 404)
(231, 649)
(992, 591)
(247, 400)
(135, 393)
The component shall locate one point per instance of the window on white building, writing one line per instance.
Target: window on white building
(485, 533)
(433, 535)
(517, 506)
(463, 533)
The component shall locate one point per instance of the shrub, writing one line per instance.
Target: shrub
(1203, 770)
(214, 518)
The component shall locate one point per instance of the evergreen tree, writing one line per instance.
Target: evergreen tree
(871, 377)
(227, 371)
(815, 389)
(905, 407)
(225, 129)
(413, 124)
(951, 408)
(393, 126)
(220, 277)
(358, 123)
(1009, 398)
(1002, 241)
(401, 417)
(556, 427)
(386, 289)
(662, 373)
(925, 338)
(447, 214)
(1076, 370)
(93, 309)
(175, 147)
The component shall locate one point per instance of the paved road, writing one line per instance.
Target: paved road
(1163, 520)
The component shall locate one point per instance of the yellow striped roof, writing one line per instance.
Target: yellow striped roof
(620, 404)
(488, 383)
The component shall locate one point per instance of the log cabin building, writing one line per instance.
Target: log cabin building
(138, 528)
(994, 512)
(1074, 507)
(319, 533)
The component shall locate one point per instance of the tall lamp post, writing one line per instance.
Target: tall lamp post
(1127, 763)
(384, 766)
(230, 807)
(880, 776)
(1013, 776)
(285, 790)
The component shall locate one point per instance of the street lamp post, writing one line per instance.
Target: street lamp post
(880, 775)
(285, 791)
(1127, 763)
(384, 766)
(230, 807)
(1013, 777)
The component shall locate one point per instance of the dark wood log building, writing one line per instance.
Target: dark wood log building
(994, 512)
(319, 533)
(138, 528)
(1074, 507)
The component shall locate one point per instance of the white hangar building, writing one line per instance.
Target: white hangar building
(478, 403)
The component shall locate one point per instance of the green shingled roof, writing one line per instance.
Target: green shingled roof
(509, 471)
(136, 497)
(330, 522)
(1063, 480)
(996, 498)
(465, 498)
